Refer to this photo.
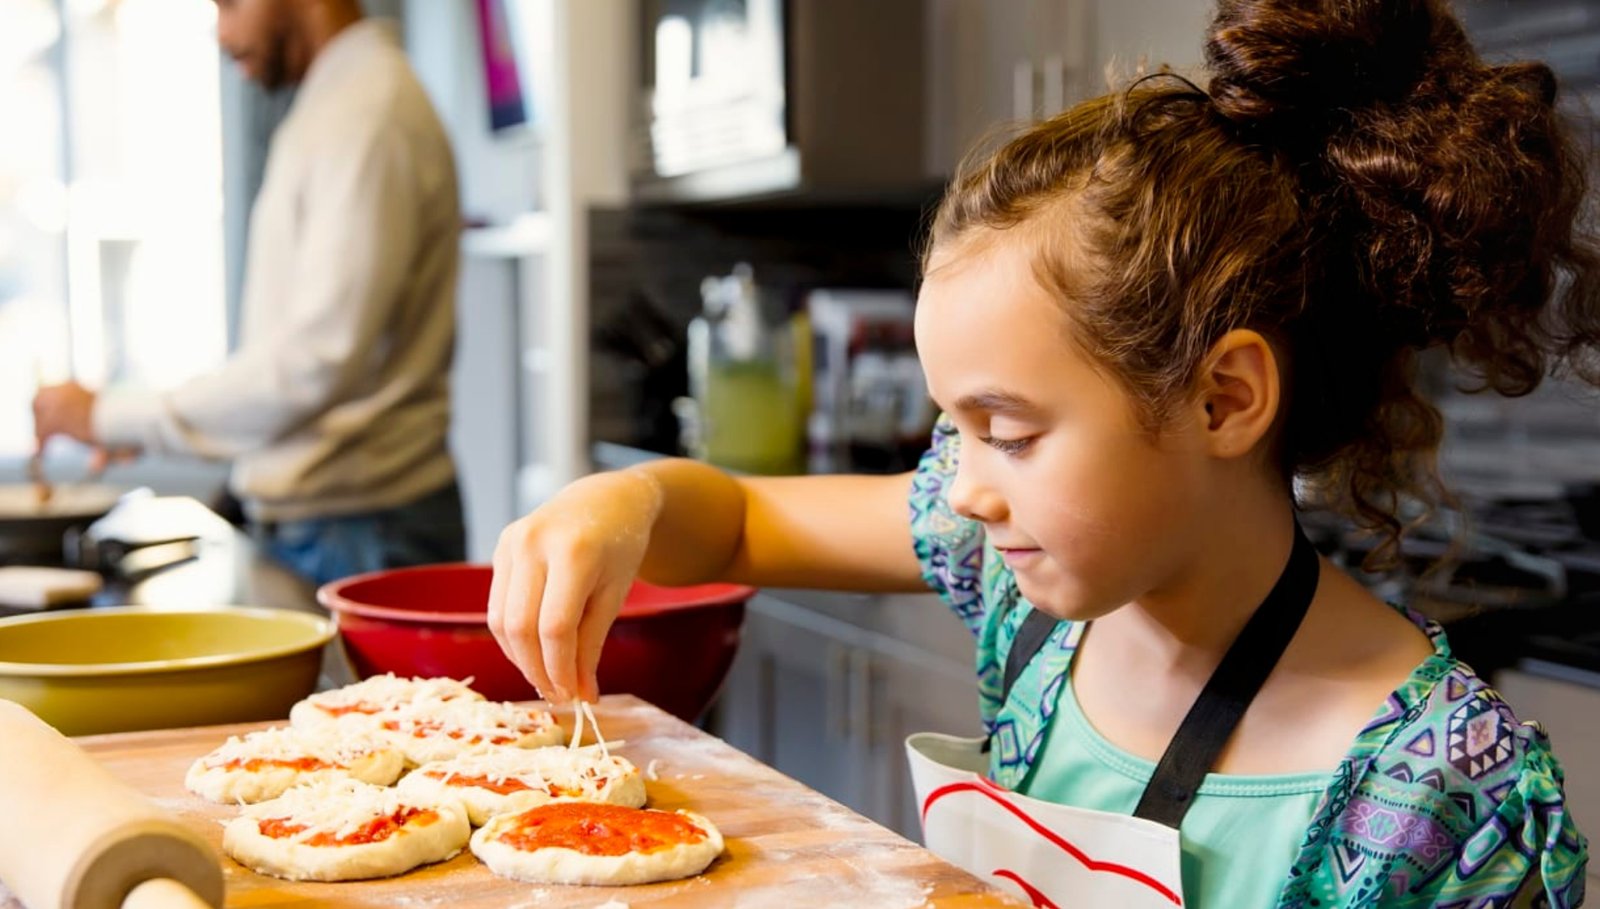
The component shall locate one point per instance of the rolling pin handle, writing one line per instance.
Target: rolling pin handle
(163, 893)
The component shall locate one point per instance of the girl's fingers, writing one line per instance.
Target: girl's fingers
(597, 620)
(496, 606)
(524, 604)
(566, 592)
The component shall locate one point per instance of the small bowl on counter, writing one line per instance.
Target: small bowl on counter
(671, 646)
(124, 668)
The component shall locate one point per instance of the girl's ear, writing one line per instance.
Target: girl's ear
(1238, 391)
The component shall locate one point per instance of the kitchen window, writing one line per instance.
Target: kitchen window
(111, 222)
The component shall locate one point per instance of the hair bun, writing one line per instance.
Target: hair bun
(1304, 64)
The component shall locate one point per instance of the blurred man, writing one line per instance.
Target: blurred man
(335, 408)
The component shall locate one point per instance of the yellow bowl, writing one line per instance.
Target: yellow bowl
(87, 671)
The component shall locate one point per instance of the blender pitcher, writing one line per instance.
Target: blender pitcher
(746, 379)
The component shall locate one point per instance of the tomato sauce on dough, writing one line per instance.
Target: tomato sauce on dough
(254, 764)
(509, 784)
(374, 831)
(596, 829)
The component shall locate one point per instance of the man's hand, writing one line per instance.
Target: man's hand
(64, 410)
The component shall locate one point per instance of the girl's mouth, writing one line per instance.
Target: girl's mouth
(1016, 556)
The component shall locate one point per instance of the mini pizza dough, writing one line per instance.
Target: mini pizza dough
(263, 765)
(588, 843)
(376, 695)
(505, 780)
(345, 830)
(427, 731)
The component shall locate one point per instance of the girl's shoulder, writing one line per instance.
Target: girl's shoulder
(1446, 795)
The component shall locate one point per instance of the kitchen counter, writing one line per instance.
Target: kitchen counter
(786, 844)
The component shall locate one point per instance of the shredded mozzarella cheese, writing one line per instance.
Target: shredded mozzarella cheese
(389, 690)
(340, 807)
(538, 768)
(339, 747)
(470, 721)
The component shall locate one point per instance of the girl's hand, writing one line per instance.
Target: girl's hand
(560, 576)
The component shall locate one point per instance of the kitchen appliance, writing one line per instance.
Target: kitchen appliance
(1520, 573)
(36, 531)
(95, 527)
(870, 408)
(749, 379)
(671, 646)
(747, 98)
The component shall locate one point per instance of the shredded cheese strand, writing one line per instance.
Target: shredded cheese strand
(577, 725)
(581, 712)
(599, 736)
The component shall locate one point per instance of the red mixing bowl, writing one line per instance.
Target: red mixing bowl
(671, 646)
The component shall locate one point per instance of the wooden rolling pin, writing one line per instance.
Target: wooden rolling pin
(75, 837)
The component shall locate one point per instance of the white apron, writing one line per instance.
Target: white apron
(1051, 855)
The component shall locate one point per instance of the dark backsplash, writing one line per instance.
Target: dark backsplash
(646, 265)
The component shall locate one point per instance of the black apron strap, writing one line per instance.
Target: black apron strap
(1029, 641)
(1244, 668)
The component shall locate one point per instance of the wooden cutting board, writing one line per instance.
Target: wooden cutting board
(787, 845)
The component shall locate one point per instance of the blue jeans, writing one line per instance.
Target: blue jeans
(426, 531)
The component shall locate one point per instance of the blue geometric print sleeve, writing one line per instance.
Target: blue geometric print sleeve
(1446, 800)
(948, 546)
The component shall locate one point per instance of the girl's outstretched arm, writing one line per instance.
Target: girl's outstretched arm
(562, 571)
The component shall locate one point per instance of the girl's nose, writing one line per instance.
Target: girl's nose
(970, 495)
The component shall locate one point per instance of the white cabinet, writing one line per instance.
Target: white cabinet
(789, 699)
(911, 692)
(1151, 33)
(985, 69)
(994, 63)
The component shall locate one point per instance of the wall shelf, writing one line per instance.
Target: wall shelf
(526, 235)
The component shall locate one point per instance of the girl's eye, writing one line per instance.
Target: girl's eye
(1006, 446)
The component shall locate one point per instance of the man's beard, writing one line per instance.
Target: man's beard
(275, 61)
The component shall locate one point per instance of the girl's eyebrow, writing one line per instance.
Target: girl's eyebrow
(997, 401)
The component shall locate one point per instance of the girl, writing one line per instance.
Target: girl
(1150, 322)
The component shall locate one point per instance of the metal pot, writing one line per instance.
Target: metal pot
(37, 532)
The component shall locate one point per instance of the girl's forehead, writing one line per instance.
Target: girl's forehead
(992, 271)
(988, 304)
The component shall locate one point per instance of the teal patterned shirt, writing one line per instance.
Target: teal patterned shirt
(1444, 799)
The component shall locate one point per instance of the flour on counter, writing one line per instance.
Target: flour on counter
(710, 755)
(880, 891)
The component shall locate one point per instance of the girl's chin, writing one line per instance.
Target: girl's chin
(1051, 599)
